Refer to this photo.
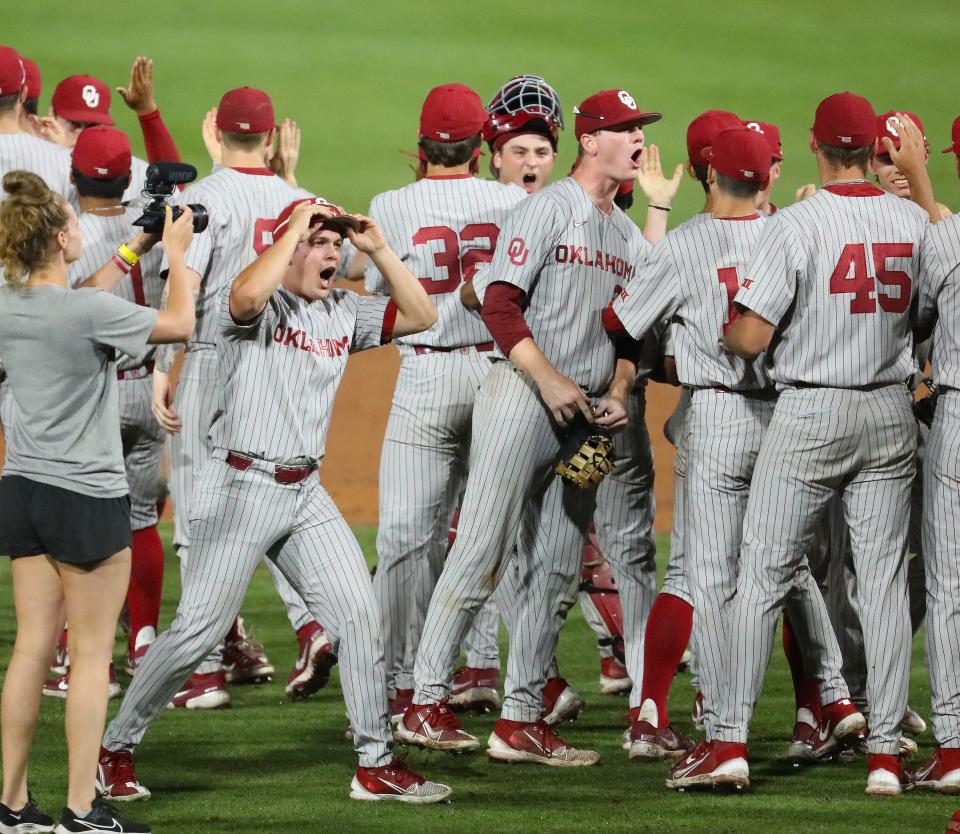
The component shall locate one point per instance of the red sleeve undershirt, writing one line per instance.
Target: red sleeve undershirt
(612, 323)
(502, 313)
(389, 320)
(157, 139)
(625, 345)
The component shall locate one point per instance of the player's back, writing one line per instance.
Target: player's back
(243, 207)
(441, 228)
(143, 285)
(852, 251)
(25, 152)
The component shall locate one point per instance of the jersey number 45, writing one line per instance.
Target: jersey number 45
(850, 277)
(459, 265)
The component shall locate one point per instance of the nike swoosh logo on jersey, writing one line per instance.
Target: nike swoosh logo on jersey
(691, 767)
(577, 225)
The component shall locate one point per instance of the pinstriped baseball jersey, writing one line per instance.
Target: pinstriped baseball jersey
(567, 256)
(101, 237)
(836, 274)
(24, 152)
(243, 207)
(939, 296)
(691, 277)
(442, 227)
(284, 368)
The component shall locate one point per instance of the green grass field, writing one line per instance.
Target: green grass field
(269, 765)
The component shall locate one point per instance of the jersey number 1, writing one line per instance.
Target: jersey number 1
(850, 277)
(448, 255)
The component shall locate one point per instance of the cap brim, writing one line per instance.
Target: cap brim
(85, 117)
(641, 119)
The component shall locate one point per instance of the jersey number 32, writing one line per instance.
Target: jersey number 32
(459, 267)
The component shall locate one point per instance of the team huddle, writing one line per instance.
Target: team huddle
(528, 315)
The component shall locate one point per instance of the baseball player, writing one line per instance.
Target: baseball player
(442, 226)
(34, 85)
(285, 336)
(833, 278)
(542, 297)
(243, 199)
(689, 279)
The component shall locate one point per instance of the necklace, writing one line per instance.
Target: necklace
(105, 209)
(846, 182)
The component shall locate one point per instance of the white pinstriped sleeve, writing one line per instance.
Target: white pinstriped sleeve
(529, 235)
(233, 330)
(940, 242)
(651, 295)
(368, 325)
(770, 284)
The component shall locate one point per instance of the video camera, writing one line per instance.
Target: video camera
(162, 180)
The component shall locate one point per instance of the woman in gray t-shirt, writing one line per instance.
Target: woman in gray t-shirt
(64, 509)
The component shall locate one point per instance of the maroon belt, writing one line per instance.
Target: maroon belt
(281, 474)
(136, 373)
(483, 347)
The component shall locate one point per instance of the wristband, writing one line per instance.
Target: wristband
(662, 208)
(127, 254)
(121, 264)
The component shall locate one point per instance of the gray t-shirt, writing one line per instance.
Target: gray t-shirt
(58, 348)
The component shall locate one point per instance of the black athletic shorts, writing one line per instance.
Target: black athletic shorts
(40, 518)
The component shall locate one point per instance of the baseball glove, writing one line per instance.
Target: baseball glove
(587, 456)
(924, 409)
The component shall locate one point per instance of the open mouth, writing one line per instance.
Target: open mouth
(326, 276)
(635, 157)
(529, 181)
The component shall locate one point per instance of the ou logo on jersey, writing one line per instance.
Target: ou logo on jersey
(90, 96)
(517, 251)
(627, 99)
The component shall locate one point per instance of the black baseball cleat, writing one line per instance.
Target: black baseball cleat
(28, 820)
(103, 817)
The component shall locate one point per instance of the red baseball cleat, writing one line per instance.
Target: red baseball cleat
(397, 782)
(243, 658)
(940, 773)
(953, 827)
(614, 678)
(561, 702)
(61, 659)
(399, 704)
(59, 686)
(434, 727)
(475, 689)
(651, 744)
(116, 778)
(713, 764)
(514, 741)
(839, 724)
(885, 775)
(311, 672)
(207, 691)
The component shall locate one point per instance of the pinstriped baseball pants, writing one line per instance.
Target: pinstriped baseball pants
(821, 442)
(941, 548)
(237, 517)
(143, 440)
(723, 438)
(512, 497)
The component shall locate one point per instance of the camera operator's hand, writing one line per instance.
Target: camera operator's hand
(209, 131)
(139, 95)
(143, 243)
(282, 159)
(177, 234)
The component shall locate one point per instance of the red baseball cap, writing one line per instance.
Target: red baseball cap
(340, 222)
(955, 135)
(84, 99)
(887, 125)
(845, 120)
(451, 112)
(12, 74)
(245, 110)
(741, 154)
(32, 72)
(771, 133)
(608, 109)
(704, 128)
(102, 152)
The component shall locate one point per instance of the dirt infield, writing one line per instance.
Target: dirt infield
(363, 402)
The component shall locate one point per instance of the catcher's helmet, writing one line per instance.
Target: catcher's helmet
(525, 103)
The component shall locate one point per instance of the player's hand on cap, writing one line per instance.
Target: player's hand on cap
(611, 413)
(804, 192)
(209, 131)
(911, 156)
(283, 157)
(138, 96)
(302, 218)
(178, 233)
(49, 128)
(654, 185)
(369, 238)
(564, 398)
(162, 403)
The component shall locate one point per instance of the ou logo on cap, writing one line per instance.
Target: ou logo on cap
(627, 99)
(892, 124)
(755, 126)
(91, 96)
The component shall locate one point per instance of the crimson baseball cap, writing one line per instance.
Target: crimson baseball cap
(887, 125)
(102, 152)
(340, 222)
(245, 110)
(845, 120)
(451, 112)
(704, 128)
(32, 72)
(84, 99)
(501, 128)
(771, 133)
(608, 109)
(741, 154)
(12, 74)
(955, 135)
